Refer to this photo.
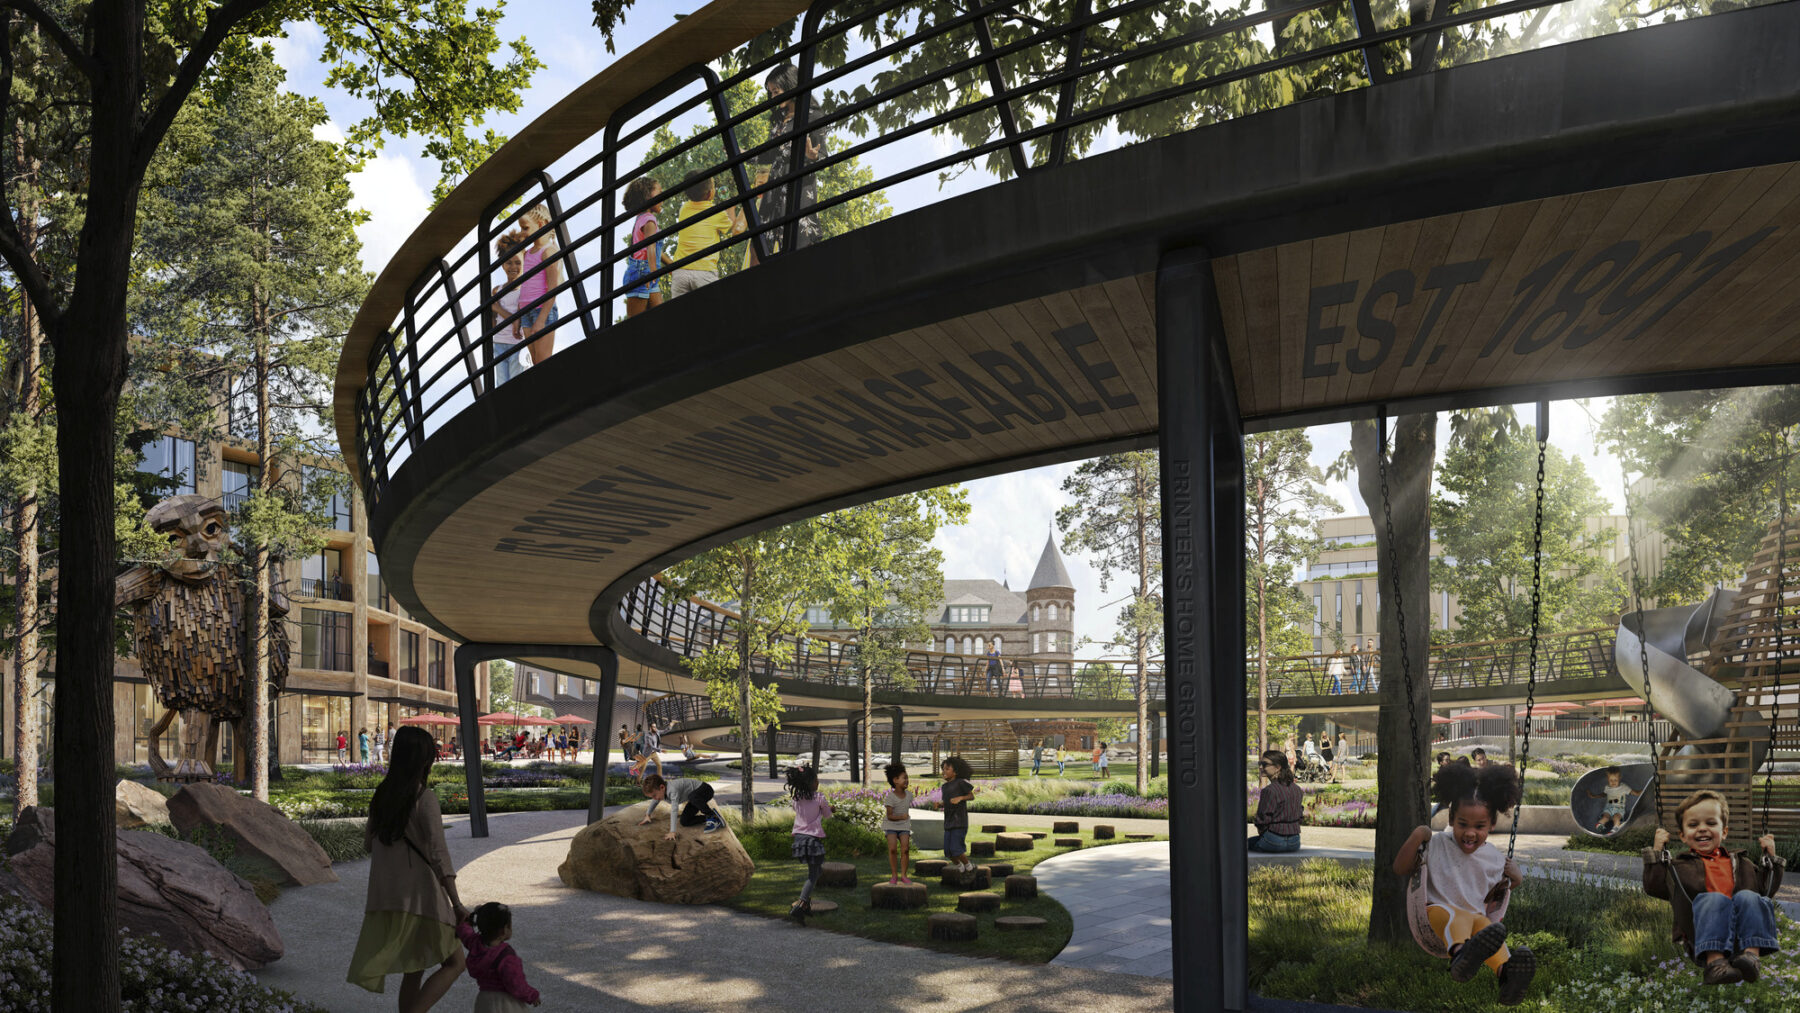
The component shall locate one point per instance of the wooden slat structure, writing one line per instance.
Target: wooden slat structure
(1758, 651)
(991, 747)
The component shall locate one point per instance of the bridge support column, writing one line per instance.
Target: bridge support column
(899, 726)
(1203, 565)
(855, 751)
(818, 743)
(467, 708)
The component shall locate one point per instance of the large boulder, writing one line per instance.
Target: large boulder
(36, 824)
(167, 888)
(137, 805)
(617, 856)
(258, 829)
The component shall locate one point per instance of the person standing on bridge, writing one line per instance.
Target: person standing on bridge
(996, 678)
(776, 162)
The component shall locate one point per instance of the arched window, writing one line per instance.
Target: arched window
(1037, 640)
(1052, 611)
(1034, 612)
(949, 645)
(968, 645)
(997, 645)
(980, 646)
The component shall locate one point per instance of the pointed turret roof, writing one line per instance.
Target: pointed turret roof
(1050, 569)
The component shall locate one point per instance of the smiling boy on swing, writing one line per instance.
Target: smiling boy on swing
(1723, 915)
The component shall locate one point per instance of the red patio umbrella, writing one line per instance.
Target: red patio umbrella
(428, 719)
(1622, 701)
(501, 718)
(534, 720)
(1439, 719)
(570, 719)
(1475, 715)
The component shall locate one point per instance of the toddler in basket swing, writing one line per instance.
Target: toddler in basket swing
(1465, 872)
(1616, 793)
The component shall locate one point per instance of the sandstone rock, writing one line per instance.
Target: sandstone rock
(952, 926)
(978, 901)
(619, 857)
(1014, 842)
(258, 830)
(173, 890)
(1021, 887)
(36, 824)
(136, 805)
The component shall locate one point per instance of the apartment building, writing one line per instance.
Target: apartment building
(359, 660)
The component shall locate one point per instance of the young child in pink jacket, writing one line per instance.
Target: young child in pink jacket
(493, 963)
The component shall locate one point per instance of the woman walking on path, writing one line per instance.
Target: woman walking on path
(410, 917)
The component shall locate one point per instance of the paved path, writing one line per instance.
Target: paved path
(587, 951)
(1119, 898)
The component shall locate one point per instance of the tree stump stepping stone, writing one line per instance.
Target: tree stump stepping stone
(822, 907)
(1065, 827)
(952, 926)
(1140, 837)
(837, 874)
(981, 849)
(1013, 842)
(998, 870)
(993, 828)
(897, 896)
(1104, 832)
(1068, 842)
(1019, 923)
(1021, 887)
(1038, 835)
(929, 867)
(977, 901)
(976, 879)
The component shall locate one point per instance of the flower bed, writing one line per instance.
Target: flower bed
(151, 979)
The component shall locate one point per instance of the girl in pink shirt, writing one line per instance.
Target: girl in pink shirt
(492, 961)
(810, 813)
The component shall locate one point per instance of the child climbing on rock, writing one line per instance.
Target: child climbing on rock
(492, 961)
(810, 812)
(1465, 872)
(689, 799)
(1616, 793)
(1723, 915)
(898, 823)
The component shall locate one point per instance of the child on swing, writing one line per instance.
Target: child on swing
(1466, 871)
(1616, 793)
(1723, 915)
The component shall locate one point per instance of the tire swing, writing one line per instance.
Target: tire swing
(1417, 894)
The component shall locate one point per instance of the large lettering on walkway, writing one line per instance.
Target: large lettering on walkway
(1670, 276)
(944, 400)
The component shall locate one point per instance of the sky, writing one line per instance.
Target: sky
(1011, 514)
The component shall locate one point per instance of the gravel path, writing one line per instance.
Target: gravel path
(587, 951)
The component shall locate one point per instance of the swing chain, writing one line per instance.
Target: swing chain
(1637, 597)
(1387, 512)
(1780, 624)
(1537, 576)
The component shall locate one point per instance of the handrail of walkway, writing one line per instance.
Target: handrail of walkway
(689, 627)
(884, 84)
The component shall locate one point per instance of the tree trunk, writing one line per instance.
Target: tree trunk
(25, 535)
(746, 733)
(1401, 777)
(868, 715)
(1262, 666)
(257, 749)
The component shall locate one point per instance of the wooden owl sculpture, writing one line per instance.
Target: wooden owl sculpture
(191, 633)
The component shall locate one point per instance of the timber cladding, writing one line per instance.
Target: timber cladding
(1070, 369)
(1680, 275)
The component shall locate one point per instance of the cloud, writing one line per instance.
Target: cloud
(390, 188)
(298, 49)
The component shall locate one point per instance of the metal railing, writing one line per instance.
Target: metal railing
(690, 627)
(885, 95)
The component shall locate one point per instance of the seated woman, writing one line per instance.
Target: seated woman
(1279, 809)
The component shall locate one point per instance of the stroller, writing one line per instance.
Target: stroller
(1311, 770)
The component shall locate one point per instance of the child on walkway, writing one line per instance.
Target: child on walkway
(1465, 870)
(701, 229)
(643, 199)
(492, 961)
(898, 824)
(1062, 760)
(1101, 761)
(690, 803)
(810, 813)
(343, 747)
(957, 793)
(1723, 916)
(1616, 793)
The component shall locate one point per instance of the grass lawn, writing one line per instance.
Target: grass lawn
(1600, 950)
(776, 885)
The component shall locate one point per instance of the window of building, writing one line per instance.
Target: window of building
(969, 613)
(1037, 643)
(321, 719)
(325, 640)
(980, 646)
(998, 644)
(968, 645)
(378, 596)
(949, 645)
(435, 668)
(1035, 613)
(326, 493)
(239, 481)
(173, 458)
(1052, 611)
(1318, 614)
(1359, 608)
(146, 711)
(1339, 624)
(322, 576)
(409, 657)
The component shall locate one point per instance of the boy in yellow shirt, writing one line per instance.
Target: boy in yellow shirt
(707, 230)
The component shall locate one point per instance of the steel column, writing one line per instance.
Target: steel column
(818, 742)
(773, 767)
(603, 707)
(1203, 560)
